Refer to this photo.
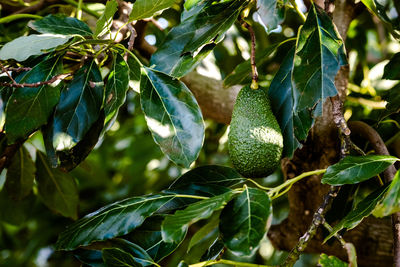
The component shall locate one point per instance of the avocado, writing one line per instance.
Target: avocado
(255, 140)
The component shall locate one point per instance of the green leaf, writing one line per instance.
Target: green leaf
(142, 9)
(57, 189)
(58, 24)
(392, 69)
(117, 86)
(174, 227)
(105, 21)
(175, 56)
(134, 74)
(79, 106)
(23, 47)
(92, 258)
(116, 257)
(353, 170)
(391, 201)
(111, 221)
(294, 126)
(244, 221)
(190, 3)
(362, 210)
(30, 107)
(330, 261)
(20, 175)
(132, 253)
(5, 93)
(15, 212)
(172, 115)
(271, 13)
(319, 55)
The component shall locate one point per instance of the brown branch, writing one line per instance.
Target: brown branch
(369, 133)
(8, 69)
(254, 84)
(31, 85)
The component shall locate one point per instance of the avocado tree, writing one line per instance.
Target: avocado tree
(114, 144)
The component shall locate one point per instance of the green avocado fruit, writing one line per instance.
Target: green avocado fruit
(255, 140)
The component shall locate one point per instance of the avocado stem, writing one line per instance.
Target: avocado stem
(254, 83)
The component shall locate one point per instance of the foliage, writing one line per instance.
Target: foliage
(87, 121)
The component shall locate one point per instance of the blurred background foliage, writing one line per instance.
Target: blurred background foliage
(127, 162)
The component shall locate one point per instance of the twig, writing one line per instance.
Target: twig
(298, 11)
(369, 133)
(21, 85)
(329, 6)
(7, 69)
(254, 83)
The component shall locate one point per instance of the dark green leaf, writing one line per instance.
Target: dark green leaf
(138, 254)
(5, 93)
(79, 106)
(214, 251)
(319, 55)
(173, 116)
(20, 175)
(362, 210)
(23, 47)
(58, 24)
(111, 221)
(57, 189)
(209, 21)
(352, 170)
(330, 261)
(30, 107)
(271, 13)
(117, 86)
(134, 74)
(244, 221)
(146, 8)
(174, 227)
(15, 212)
(294, 126)
(105, 21)
(92, 258)
(116, 257)
(392, 69)
(391, 201)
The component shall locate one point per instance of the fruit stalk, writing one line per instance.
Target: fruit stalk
(254, 83)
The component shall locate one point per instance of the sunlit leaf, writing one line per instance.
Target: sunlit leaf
(271, 13)
(59, 24)
(330, 261)
(391, 202)
(142, 9)
(173, 116)
(105, 21)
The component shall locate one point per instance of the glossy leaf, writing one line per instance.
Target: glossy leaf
(352, 169)
(58, 24)
(20, 175)
(174, 227)
(117, 86)
(57, 189)
(30, 107)
(392, 69)
(92, 258)
(116, 257)
(271, 13)
(142, 9)
(134, 74)
(129, 253)
(175, 56)
(79, 106)
(111, 221)
(391, 201)
(190, 3)
(172, 115)
(319, 55)
(244, 221)
(294, 126)
(23, 47)
(393, 99)
(362, 210)
(330, 261)
(105, 21)
(214, 251)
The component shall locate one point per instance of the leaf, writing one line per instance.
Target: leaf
(271, 14)
(129, 253)
(116, 87)
(352, 169)
(330, 261)
(244, 221)
(174, 227)
(392, 69)
(79, 106)
(214, 251)
(30, 107)
(114, 257)
(111, 221)
(23, 47)
(190, 3)
(391, 202)
(172, 115)
(175, 56)
(5, 93)
(15, 212)
(319, 55)
(105, 21)
(20, 175)
(294, 126)
(134, 74)
(362, 210)
(58, 24)
(57, 189)
(146, 8)
(92, 258)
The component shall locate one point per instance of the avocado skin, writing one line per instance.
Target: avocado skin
(255, 140)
